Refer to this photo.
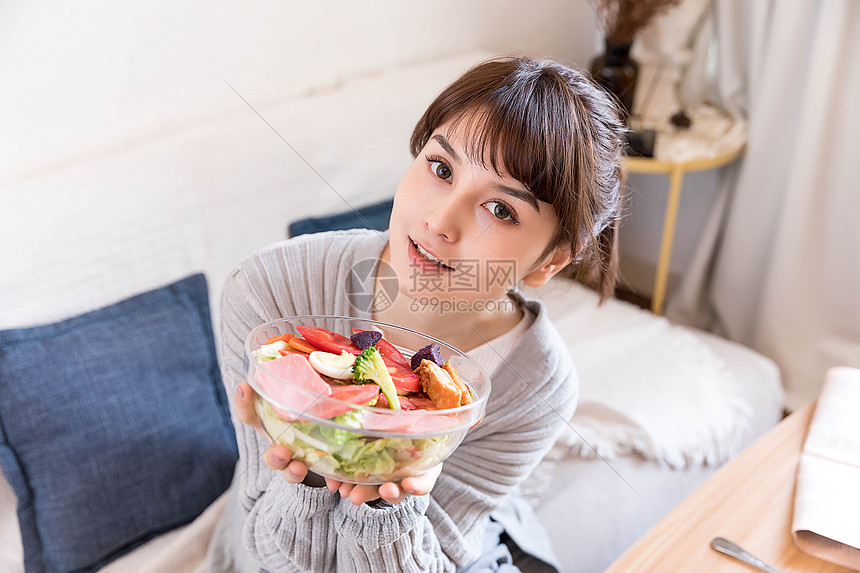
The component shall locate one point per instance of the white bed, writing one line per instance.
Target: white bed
(616, 501)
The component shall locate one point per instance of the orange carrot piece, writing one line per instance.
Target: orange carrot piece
(290, 350)
(285, 337)
(301, 344)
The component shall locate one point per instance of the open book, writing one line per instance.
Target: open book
(827, 501)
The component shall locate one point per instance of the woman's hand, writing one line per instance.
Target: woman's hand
(277, 457)
(391, 492)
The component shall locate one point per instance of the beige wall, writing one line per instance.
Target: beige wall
(88, 77)
(83, 77)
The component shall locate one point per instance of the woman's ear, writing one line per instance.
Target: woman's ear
(548, 269)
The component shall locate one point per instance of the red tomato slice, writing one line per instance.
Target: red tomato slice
(296, 369)
(401, 373)
(405, 404)
(422, 403)
(353, 393)
(390, 354)
(328, 340)
(404, 379)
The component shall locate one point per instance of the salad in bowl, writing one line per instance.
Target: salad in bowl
(362, 401)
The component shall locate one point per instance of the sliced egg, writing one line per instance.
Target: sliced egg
(332, 365)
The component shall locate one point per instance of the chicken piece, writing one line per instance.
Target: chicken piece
(466, 395)
(445, 391)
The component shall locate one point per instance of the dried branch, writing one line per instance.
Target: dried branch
(623, 19)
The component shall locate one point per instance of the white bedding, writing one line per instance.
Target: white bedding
(651, 387)
(616, 501)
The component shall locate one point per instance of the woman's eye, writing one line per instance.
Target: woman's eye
(500, 211)
(440, 170)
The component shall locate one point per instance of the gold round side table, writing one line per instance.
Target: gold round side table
(675, 167)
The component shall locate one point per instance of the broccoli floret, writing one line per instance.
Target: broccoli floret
(370, 366)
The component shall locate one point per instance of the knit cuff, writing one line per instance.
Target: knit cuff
(299, 500)
(381, 524)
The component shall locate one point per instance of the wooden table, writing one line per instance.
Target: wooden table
(749, 501)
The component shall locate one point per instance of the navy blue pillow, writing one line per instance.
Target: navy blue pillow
(374, 216)
(114, 426)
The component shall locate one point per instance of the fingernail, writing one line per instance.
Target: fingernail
(279, 459)
(296, 472)
(239, 392)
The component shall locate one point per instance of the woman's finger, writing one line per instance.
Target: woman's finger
(345, 489)
(295, 472)
(391, 492)
(243, 401)
(362, 493)
(332, 484)
(277, 457)
(421, 484)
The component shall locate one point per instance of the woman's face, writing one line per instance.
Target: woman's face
(460, 231)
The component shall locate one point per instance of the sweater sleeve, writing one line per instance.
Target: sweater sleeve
(287, 527)
(444, 530)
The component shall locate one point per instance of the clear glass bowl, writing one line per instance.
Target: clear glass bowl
(360, 444)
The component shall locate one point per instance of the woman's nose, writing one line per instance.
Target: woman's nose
(442, 219)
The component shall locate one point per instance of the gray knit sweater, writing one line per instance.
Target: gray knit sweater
(270, 524)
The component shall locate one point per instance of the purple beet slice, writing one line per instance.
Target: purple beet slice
(366, 338)
(431, 352)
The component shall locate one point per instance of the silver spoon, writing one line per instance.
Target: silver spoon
(725, 546)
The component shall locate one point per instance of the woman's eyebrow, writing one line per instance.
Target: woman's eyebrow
(447, 146)
(519, 194)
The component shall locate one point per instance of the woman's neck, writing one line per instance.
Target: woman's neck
(463, 329)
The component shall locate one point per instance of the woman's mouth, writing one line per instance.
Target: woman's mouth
(419, 256)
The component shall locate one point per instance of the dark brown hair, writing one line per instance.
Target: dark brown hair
(559, 135)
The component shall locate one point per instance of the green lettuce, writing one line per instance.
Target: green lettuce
(336, 451)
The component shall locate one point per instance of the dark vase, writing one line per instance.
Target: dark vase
(616, 72)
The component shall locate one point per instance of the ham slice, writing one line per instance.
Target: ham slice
(295, 369)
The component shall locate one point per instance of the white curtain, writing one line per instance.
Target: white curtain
(778, 266)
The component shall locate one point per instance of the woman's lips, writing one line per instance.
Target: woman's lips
(417, 260)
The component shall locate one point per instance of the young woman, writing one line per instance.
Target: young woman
(516, 177)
